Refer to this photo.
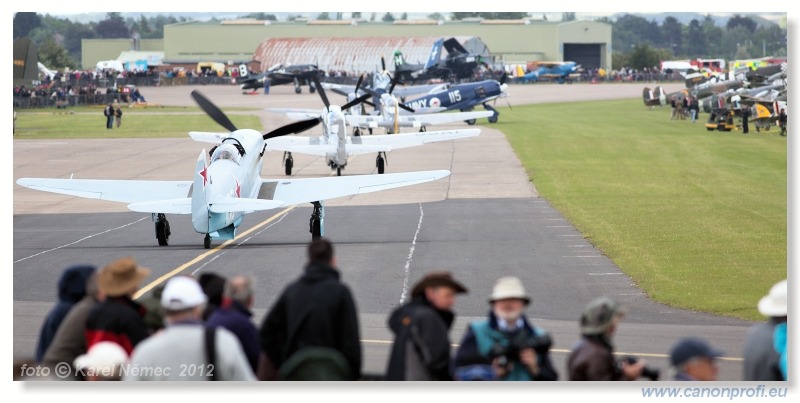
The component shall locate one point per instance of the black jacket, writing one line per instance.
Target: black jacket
(117, 319)
(421, 350)
(71, 289)
(315, 310)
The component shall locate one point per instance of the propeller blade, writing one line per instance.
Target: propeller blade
(213, 111)
(383, 64)
(358, 84)
(406, 108)
(295, 127)
(503, 78)
(356, 101)
(321, 91)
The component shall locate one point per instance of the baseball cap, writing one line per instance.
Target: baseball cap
(182, 293)
(688, 348)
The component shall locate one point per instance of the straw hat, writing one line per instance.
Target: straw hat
(508, 288)
(120, 276)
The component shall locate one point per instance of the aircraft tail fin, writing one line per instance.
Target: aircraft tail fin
(436, 54)
(199, 203)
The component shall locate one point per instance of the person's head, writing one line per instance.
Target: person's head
(508, 298)
(93, 288)
(321, 250)
(72, 283)
(601, 316)
(183, 299)
(213, 286)
(694, 357)
(240, 289)
(439, 288)
(774, 304)
(103, 362)
(121, 277)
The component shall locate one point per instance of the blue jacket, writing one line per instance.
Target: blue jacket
(71, 289)
(481, 344)
(237, 318)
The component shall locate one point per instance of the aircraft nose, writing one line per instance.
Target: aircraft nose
(503, 88)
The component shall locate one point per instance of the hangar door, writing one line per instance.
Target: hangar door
(585, 54)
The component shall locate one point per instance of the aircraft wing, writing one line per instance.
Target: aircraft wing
(405, 140)
(166, 194)
(208, 137)
(415, 120)
(307, 190)
(311, 113)
(313, 146)
(417, 89)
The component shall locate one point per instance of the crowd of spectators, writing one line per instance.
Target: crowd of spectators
(203, 329)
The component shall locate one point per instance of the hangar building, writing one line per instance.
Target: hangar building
(510, 41)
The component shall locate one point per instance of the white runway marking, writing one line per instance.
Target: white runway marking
(410, 256)
(80, 240)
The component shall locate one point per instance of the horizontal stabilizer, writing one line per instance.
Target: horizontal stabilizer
(236, 204)
(171, 206)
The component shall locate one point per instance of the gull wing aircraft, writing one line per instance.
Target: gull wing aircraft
(299, 74)
(336, 146)
(228, 186)
(465, 97)
(392, 114)
(459, 64)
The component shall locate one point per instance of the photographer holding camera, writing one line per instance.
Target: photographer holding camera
(593, 359)
(505, 346)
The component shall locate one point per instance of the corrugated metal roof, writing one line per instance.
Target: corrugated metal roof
(354, 55)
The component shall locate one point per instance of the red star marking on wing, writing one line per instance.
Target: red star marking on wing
(238, 190)
(204, 174)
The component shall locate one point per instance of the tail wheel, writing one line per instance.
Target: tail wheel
(339, 171)
(207, 242)
(316, 228)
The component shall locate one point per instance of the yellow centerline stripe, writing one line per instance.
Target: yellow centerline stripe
(188, 264)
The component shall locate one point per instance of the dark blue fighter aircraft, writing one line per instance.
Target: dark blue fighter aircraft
(465, 97)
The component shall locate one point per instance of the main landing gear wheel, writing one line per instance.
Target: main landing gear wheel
(422, 129)
(288, 163)
(339, 171)
(207, 241)
(356, 132)
(470, 122)
(492, 119)
(162, 230)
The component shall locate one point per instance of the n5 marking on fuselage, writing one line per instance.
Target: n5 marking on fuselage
(464, 97)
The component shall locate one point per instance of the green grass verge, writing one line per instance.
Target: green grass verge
(696, 218)
(89, 122)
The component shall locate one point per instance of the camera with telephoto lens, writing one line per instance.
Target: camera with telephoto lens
(506, 354)
(647, 372)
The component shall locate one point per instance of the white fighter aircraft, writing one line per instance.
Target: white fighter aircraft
(336, 146)
(229, 186)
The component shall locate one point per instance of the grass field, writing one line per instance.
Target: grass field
(698, 219)
(89, 122)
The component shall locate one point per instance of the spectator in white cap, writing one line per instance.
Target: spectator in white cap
(506, 346)
(762, 360)
(186, 350)
(103, 362)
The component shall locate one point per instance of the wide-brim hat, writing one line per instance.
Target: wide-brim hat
(774, 304)
(509, 288)
(437, 279)
(120, 276)
(599, 314)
